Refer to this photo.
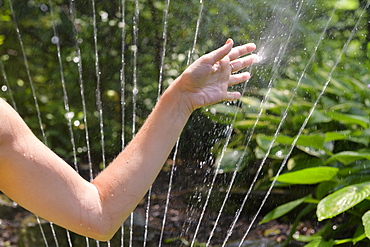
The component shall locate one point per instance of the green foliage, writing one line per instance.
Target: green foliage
(329, 156)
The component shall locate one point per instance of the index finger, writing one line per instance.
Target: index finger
(220, 53)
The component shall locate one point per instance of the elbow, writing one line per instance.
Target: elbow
(103, 237)
(103, 230)
(102, 234)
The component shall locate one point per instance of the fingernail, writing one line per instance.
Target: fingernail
(228, 41)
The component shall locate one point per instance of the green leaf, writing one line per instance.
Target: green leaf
(348, 157)
(305, 142)
(359, 234)
(348, 4)
(309, 175)
(233, 159)
(366, 223)
(350, 119)
(275, 153)
(248, 124)
(337, 135)
(315, 141)
(281, 210)
(302, 161)
(319, 117)
(342, 200)
(253, 102)
(223, 114)
(319, 242)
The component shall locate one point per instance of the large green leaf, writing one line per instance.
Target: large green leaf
(350, 119)
(348, 157)
(303, 142)
(342, 200)
(366, 223)
(315, 141)
(312, 175)
(281, 210)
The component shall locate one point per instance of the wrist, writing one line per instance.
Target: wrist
(179, 98)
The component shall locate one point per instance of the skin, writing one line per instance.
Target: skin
(37, 179)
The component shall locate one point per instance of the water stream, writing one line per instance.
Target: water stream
(273, 48)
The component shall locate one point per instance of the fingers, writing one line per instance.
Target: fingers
(231, 96)
(239, 51)
(238, 78)
(235, 79)
(232, 53)
(243, 62)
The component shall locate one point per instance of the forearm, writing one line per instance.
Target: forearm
(126, 180)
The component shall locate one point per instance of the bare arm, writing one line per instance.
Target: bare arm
(40, 181)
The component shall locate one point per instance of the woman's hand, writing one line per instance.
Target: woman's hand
(206, 81)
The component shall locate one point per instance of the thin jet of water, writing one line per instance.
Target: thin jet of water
(81, 83)
(163, 54)
(169, 192)
(36, 105)
(277, 60)
(25, 60)
(307, 118)
(99, 103)
(123, 86)
(68, 114)
(191, 52)
(160, 85)
(2, 69)
(122, 72)
(82, 91)
(200, 14)
(134, 91)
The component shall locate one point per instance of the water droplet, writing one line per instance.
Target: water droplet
(279, 153)
(55, 40)
(44, 7)
(76, 59)
(133, 48)
(69, 115)
(4, 88)
(135, 91)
